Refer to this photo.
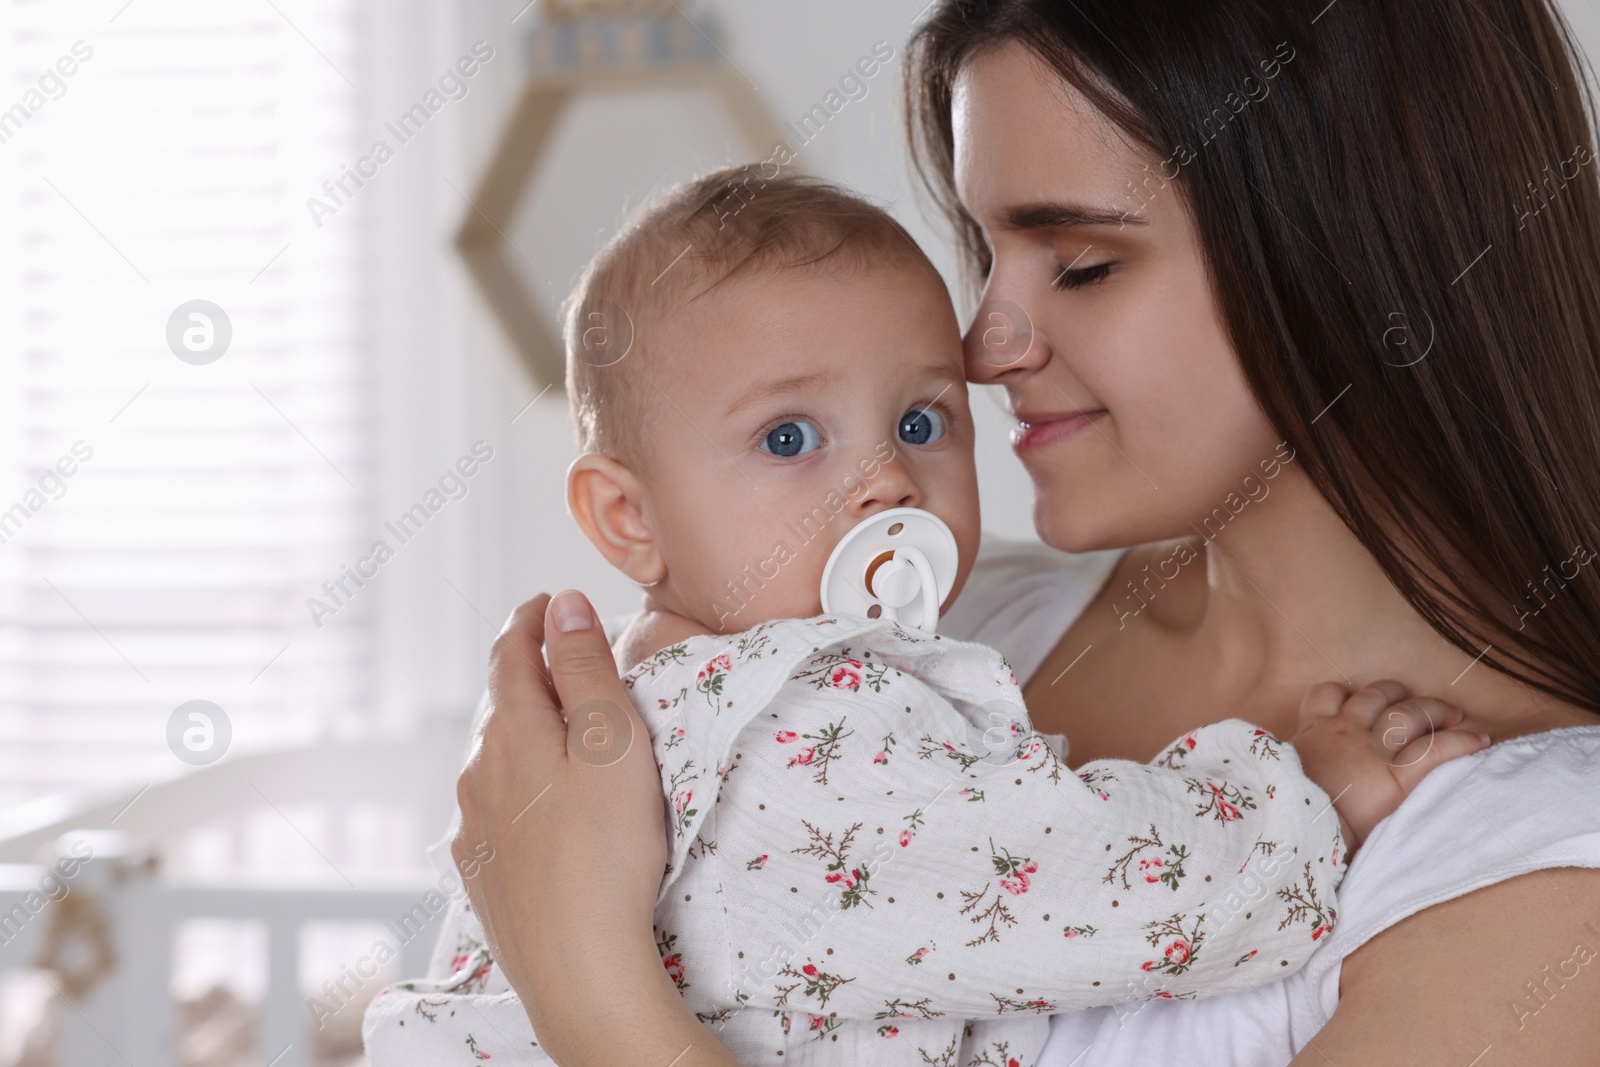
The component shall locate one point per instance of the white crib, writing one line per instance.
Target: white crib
(128, 1016)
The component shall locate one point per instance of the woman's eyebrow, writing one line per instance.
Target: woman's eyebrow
(1049, 215)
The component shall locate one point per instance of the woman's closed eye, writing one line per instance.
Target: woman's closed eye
(921, 426)
(1077, 278)
(794, 437)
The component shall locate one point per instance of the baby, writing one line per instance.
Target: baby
(874, 858)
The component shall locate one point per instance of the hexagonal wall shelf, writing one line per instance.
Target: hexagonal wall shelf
(583, 47)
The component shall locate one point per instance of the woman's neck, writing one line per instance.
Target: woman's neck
(1291, 598)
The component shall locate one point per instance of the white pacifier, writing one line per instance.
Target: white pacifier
(899, 565)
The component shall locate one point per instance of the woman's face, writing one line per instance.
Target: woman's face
(1136, 420)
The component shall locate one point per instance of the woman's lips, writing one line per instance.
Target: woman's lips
(1036, 430)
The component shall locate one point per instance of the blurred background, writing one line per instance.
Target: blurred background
(282, 444)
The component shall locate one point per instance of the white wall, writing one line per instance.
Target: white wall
(1584, 15)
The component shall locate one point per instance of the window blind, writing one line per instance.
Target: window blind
(153, 154)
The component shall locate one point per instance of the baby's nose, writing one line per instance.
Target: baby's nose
(891, 487)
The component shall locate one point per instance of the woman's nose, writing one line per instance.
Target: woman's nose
(1002, 342)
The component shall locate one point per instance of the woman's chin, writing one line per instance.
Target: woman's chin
(1072, 529)
(1075, 514)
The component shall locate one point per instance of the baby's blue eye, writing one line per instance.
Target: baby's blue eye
(921, 426)
(792, 439)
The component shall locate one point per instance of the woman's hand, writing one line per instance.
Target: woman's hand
(562, 846)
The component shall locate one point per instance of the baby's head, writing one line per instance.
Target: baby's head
(754, 366)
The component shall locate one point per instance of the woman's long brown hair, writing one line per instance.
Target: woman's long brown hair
(1417, 179)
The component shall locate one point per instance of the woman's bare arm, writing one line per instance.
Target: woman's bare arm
(563, 790)
(1509, 974)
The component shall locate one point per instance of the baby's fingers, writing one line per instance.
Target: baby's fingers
(1322, 701)
(1370, 701)
(1410, 720)
(1412, 763)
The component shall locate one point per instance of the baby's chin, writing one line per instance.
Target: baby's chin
(735, 612)
(728, 616)
(746, 608)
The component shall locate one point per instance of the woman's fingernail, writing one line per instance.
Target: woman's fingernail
(571, 612)
(1485, 739)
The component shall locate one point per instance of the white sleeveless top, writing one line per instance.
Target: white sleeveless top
(1543, 791)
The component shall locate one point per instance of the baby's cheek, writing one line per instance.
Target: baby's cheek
(962, 515)
(774, 572)
(796, 586)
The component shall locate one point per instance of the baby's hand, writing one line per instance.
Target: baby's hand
(1370, 748)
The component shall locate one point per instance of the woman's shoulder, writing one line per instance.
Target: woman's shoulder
(1528, 804)
(1023, 595)
(1521, 805)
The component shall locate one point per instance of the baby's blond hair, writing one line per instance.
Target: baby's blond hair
(679, 246)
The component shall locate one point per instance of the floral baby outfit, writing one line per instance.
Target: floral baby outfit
(875, 859)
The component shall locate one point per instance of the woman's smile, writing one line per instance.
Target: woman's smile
(1036, 430)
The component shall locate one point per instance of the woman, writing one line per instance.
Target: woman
(1309, 301)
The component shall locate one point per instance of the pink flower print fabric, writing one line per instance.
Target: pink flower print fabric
(875, 859)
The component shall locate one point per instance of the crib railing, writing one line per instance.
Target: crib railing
(129, 1017)
(121, 1010)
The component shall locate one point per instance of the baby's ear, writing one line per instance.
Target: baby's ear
(607, 501)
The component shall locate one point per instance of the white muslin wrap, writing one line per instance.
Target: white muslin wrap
(875, 859)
